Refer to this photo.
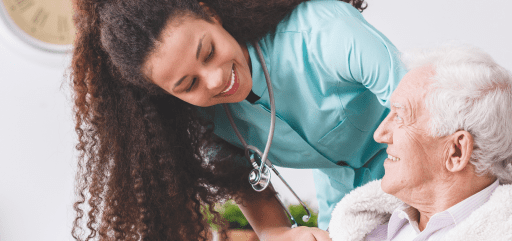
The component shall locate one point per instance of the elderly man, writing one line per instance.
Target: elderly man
(449, 165)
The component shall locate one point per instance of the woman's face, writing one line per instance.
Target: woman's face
(200, 63)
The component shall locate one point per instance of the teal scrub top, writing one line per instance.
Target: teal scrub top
(332, 74)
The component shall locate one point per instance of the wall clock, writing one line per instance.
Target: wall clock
(44, 24)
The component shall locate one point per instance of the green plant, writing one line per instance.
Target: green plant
(232, 214)
(209, 218)
(298, 211)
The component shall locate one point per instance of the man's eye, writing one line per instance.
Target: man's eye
(192, 84)
(398, 118)
(210, 55)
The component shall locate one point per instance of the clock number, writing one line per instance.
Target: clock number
(23, 5)
(40, 17)
(43, 19)
(62, 24)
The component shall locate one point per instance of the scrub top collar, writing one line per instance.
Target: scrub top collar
(252, 98)
(259, 85)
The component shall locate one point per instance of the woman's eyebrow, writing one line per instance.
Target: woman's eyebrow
(179, 82)
(199, 46)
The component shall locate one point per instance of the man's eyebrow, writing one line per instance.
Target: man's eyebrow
(199, 46)
(397, 105)
(179, 82)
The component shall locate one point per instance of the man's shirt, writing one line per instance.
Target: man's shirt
(403, 224)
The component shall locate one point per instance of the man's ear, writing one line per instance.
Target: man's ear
(215, 17)
(461, 148)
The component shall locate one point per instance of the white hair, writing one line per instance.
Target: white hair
(471, 92)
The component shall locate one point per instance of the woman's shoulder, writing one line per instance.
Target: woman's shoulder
(315, 14)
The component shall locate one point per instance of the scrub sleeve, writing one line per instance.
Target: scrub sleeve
(372, 61)
(332, 74)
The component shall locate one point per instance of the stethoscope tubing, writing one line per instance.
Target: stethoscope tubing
(272, 107)
(264, 155)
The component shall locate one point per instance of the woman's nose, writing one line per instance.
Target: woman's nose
(384, 134)
(214, 78)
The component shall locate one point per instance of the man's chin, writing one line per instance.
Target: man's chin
(387, 186)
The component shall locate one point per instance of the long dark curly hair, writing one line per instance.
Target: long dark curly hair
(149, 167)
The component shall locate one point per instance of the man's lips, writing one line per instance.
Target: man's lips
(392, 158)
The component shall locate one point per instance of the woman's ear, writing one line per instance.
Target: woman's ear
(461, 148)
(211, 13)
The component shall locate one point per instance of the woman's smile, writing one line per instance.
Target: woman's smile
(232, 85)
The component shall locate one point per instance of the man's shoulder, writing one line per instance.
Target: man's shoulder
(491, 221)
(361, 211)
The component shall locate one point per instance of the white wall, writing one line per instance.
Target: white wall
(423, 23)
(36, 150)
(36, 129)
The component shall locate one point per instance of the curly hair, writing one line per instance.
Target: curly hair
(148, 164)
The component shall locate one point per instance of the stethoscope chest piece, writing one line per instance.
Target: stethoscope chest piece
(259, 180)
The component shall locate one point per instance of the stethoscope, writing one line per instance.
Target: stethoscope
(259, 177)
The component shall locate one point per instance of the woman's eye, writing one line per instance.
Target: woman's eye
(210, 55)
(192, 84)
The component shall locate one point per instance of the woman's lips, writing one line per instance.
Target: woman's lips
(232, 85)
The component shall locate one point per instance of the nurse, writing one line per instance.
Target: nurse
(149, 78)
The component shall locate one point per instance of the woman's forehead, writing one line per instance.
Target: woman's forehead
(180, 44)
(177, 40)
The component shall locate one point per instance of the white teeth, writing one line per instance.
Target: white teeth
(231, 83)
(392, 158)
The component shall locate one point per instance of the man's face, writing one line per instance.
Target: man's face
(415, 159)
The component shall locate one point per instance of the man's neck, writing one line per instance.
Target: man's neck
(446, 194)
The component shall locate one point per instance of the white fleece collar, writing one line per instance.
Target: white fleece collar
(366, 207)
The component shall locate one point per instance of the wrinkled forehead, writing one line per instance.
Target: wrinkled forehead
(414, 85)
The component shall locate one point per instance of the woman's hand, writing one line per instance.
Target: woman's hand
(270, 222)
(300, 233)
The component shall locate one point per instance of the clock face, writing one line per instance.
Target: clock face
(46, 24)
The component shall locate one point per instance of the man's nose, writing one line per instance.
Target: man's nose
(383, 134)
